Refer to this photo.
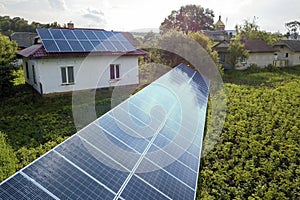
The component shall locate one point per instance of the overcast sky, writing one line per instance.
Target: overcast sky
(129, 15)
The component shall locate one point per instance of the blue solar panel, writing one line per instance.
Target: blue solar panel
(66, 40)
(63, 45)
(148, 147)
(51, 45)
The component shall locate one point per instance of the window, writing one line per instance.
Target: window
(114, 71)
(27, 70)
(286, 55)
(33, 74)
(67, 75)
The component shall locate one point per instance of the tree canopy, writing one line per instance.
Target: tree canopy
(294, 28)
(237, 52)
(250, 30)
(189, 18)
(8, 50)
(17, 24)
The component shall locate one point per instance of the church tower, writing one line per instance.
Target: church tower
(220, 26)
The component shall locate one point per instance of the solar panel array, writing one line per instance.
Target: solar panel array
(83, 40)
(148, 147)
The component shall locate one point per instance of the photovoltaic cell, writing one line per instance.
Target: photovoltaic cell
(67, 40)
(148, 147)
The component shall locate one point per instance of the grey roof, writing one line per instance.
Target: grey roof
(294, 45)
(23, 39)
(257, 46)
(254, 46)
(217, 35)
(131, 39)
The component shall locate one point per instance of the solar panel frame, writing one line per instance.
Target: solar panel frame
(85, 156)
(63, 40)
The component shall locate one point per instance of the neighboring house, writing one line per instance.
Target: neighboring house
(131, 39)
(260, 53)
(23, 39)
(288, 52)
(80, 59)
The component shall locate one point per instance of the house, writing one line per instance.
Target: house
(260, 53)
(23, 39)
(287, 53)
(67, 59)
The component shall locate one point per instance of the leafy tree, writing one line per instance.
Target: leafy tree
(7, 55)
(237, 52)
(17, 24)
(294, 28)
(250, 30)
(8, 159)
(189, 18)
(207, 44)
(149, 36)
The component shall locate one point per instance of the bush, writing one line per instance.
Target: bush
(8, 159)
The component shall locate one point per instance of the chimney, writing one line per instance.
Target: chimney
(70, 25)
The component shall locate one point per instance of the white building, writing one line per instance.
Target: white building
(64, 62)
(288, 52)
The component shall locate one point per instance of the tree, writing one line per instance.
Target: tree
(293, 28)
(250, 30)
(189, 18)
(8, 159)
(207, 44)
(237, 52)
(8, 50)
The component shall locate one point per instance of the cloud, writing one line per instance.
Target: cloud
(94, 17)
(58, 4)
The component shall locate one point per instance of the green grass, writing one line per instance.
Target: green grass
(257, 158)
(270, 77)
(35, 124)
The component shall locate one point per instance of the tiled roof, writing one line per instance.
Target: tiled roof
(38, 51)
(257, 46)
(23, 39)
(131, 39)
(254, 46)
(294, 45)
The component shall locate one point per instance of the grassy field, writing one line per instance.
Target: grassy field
(257, 158)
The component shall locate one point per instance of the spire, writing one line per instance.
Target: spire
(220, 26)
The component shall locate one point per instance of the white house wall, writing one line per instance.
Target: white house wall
(260, 59)
(293, 57)
(29, 80)
(89, 73)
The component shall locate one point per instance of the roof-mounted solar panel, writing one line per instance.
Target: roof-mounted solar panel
(148, 147)
(67, 40)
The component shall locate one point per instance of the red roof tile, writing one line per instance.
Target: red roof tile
(38, 51)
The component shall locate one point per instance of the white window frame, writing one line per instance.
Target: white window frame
(114, 71)
(68, 80)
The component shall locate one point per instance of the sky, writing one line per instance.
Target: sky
(134, 15)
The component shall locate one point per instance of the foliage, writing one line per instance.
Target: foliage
(7, 69)
(236, 53)
(188, 18)
(258, 157)
(182, 48)
(8, 159)
(207, 44)
(294, 28)
(9, 25)
(250, 30)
